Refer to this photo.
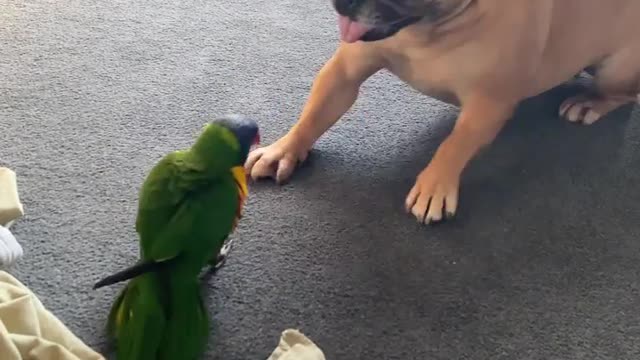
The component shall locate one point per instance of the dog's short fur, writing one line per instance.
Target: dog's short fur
(482, 55)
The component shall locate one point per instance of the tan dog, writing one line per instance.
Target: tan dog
(485, 56)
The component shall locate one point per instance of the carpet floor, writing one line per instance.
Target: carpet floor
(541, 263)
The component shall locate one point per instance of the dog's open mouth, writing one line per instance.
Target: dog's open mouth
(352, 31)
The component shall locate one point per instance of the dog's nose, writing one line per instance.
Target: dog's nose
(346, 7)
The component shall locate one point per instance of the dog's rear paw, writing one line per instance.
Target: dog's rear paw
(587, 109)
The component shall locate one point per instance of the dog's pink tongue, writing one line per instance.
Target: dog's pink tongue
(351, 31)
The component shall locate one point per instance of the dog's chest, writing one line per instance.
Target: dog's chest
(424, 72)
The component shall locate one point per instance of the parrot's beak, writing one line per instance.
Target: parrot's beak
(241, 179)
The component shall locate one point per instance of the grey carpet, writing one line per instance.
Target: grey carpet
(542, 262)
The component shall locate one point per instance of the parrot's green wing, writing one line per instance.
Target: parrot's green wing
(180, 203)
(163, 208)
(201, 223)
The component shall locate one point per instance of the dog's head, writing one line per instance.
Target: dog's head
(371, 20)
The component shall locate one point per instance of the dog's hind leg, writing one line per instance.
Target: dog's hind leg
(617, 83)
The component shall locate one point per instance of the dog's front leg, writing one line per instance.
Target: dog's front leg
(334, 91)
(434, 197)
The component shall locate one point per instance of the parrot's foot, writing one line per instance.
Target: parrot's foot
(217, 262)
(221, 257)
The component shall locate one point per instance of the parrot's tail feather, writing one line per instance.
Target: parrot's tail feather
(130, 273)
(159, 316)
(113, 320)
(137, 319)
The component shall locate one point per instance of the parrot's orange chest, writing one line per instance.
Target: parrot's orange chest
(240, 179)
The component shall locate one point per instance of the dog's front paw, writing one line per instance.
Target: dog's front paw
(586, 109)
(434, 197)
(277, 161)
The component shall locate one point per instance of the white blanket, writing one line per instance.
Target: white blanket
(10, 206)
(28, 331)
(294, 345)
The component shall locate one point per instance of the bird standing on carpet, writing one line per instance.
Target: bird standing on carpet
(189, 204)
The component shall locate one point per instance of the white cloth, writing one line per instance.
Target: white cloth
(10, 206)
(10, 210)
(28, 331)
(10, 249)
(294, 345)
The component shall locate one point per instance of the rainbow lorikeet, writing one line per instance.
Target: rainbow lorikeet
(188, 205)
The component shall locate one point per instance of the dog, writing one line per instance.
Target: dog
(483, 56)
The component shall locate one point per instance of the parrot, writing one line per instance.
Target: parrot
(189, 204)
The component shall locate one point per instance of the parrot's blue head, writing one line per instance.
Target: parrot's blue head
(245, 130)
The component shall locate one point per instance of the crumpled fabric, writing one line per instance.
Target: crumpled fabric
(28, 331)
(294, 345)
(10, 250)
(11, 208)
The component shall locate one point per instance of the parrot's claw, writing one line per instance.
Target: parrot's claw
(221, 258)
